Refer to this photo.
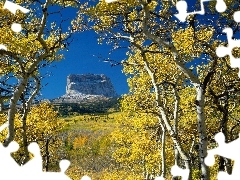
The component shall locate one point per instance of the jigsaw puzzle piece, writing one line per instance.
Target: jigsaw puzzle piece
(8, 164)
(177, 171)
(33, 168)
(228, 150)
(12, 7)
(224, 149)
(182, 6)
(220, 6)
(85, 178)
(64, 164)
(222, 51)
(159, 178)
(236, 16)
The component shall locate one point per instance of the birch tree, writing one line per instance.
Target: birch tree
(40, 42)
(42, 125)
(146, 23)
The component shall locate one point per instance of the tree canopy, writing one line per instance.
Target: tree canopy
(174, 74)
(46, 32)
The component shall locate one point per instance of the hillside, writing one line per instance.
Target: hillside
(88, 144)
(89, 110)
(87, 107)
(87, 93)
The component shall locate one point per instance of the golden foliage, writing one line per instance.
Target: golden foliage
(190, 42)
(42, 122)
(79, 142)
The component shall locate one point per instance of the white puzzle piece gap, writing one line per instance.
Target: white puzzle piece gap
(85, 178)
(159, 178)
(12, 7)
(32, 169)
(228, 150)
(8, 165)
(177, 171)
(181, 6)
(16, 27)
(222, 51)
(3, 47)
(110, 1)
(236, 16)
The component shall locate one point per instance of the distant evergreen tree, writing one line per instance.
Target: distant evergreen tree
(66, 109)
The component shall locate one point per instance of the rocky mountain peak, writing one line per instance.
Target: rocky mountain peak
(87, 88)
(90, 84)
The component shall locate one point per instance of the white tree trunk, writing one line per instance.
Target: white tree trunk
(163, 151)
(26, 109)
(202, 132)
(164, 119)
(12, 110)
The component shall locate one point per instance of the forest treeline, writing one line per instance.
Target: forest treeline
(100, 106)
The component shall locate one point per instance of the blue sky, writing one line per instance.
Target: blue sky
(82, 58)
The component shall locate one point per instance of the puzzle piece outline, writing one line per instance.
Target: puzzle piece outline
(175, 170)
(16, 27)
(228, 150)
(182, 7)
(33, 168)
(222, 51)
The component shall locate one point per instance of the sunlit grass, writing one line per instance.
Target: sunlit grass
(89, 146)
(91, 122)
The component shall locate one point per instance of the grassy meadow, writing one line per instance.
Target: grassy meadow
(88, 146)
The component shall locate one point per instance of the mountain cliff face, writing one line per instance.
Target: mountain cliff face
(93, 84)
(87, 88)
